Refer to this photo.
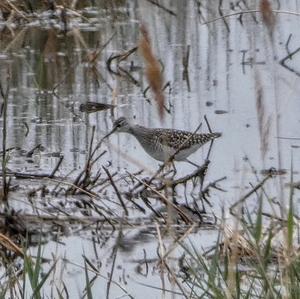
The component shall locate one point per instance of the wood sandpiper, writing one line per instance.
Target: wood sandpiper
(161, 144)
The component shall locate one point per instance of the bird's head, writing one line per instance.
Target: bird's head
(120, 125)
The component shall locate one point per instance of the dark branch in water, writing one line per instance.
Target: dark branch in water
(119, 58)
(56, 167)
(168, 84)
(4, 94)
(37, 147)
(287, 44)
(257, 187)
(201, 171)
(26, 127)
(289, 57)
(214, 185)
(116, 190)
(289, 138)
(114, 256)
(128, 197)
(222, 15)
(166, 201)
(250, 12)
(185, 72)
(212, 142)
(154, 2)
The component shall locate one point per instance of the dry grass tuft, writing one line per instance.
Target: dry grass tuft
(235, 244)
(153, 70)
(7, 243)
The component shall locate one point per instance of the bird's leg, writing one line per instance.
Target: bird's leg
(187, 160)
(170, 165)
(203, 206)
(174, 168)
(169, 169)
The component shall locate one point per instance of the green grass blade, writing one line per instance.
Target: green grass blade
(290, 220)
(37, 268)
(258, 224)
(88, 284)
(43, 280)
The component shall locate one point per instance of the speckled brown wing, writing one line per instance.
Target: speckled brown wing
(177, 138)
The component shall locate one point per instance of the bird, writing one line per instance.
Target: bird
(162, 144)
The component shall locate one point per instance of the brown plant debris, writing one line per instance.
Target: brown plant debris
(264, 121)
(267, 15)
(50, 49)
(90, 107)
(235, 244)
(154, 2)
(10, 245)
(153, 70)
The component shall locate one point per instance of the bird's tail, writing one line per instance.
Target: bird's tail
(209, 137)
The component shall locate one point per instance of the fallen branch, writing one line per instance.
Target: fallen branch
(185, 217)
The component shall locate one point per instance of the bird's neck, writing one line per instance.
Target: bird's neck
(138, 131)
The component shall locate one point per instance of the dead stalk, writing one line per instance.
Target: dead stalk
(4, 95)
(165, 200)
(257, 187)
(152, 70)
(116, 190)
(250, 12)
(161, 253)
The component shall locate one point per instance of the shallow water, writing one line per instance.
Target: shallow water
(231, 63)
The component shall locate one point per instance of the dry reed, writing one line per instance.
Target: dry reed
(153, 70)
(267, 15)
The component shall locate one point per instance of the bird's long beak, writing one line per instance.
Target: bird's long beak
(111, 132)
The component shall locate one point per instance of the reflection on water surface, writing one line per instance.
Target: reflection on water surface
(230, 70)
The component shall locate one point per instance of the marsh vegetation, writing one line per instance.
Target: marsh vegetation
(87, 216)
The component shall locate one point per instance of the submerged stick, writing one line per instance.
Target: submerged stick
(10, 245)
(169, 11)
(114, 254)
(257, 187)
(250, 12)
(165, 200)
(4, 95)
(200, 171)
(56, 167)
(116, 190)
